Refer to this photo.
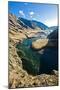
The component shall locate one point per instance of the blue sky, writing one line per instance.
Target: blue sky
(45, 13)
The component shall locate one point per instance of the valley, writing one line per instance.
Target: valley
(33, 53)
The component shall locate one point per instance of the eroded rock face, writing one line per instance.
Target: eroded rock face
(39, 44)
(13, 24)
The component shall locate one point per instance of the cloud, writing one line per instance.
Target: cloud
(31, 13)
(21, 13)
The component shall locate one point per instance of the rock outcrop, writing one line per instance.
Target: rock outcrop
(39, 44)
(13, 24)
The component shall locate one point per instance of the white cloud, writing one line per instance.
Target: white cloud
(21, 13)
(31, 13)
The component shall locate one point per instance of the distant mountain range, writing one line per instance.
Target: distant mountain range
(22, 23)
(53, 28)
(31, 24)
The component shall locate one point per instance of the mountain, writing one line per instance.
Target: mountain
(31, 24)
(53, 39)
(53, 28)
